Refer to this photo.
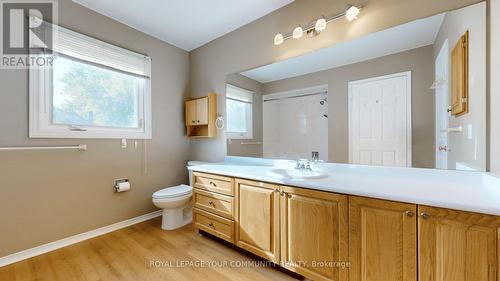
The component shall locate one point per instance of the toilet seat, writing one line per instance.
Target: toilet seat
(173, 192)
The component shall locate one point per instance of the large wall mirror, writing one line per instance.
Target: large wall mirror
(413, 95)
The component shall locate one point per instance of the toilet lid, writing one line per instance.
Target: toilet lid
(174, 191)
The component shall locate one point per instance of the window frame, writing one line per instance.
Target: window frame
(41, 106)
(248, 118)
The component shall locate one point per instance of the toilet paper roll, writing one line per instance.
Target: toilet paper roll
(122, 186)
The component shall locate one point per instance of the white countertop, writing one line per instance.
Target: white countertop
(460, 190)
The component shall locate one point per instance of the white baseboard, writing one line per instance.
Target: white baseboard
(26, 254)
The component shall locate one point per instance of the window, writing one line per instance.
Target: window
(239, 112)
(92, 90)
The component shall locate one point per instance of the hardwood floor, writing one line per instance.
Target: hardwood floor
(141, 252)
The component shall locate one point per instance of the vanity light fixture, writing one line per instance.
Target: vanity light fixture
(320, 24)
(352, 13)
(297, 32)
(278, 39)
(317, 26)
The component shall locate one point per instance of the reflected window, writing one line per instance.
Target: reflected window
(239, 104)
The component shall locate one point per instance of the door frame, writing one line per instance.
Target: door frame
(407, 75)
(443, 53)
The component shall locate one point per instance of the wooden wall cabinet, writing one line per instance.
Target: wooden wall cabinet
(460, 76)
(200, 115)
(314, 230)
(382, 240)
(257, 218)
(457, 246)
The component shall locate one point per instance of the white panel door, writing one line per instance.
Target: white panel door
(380, 121)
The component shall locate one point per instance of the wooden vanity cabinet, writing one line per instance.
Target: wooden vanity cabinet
(257, 218)
(382, 240)
(314, 230)
(457, 246)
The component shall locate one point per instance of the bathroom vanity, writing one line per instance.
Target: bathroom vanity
(356, 222)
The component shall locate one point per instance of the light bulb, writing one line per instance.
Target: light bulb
(320, 24)
(297, 32)
(278, 39)
(352, 13)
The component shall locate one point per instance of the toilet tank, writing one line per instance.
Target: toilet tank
(193, 163)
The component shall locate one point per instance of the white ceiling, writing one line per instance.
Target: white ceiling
(186, 24)
(390, 41)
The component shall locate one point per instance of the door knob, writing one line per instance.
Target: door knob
(409, 213)
(425, 215)
(443, 148)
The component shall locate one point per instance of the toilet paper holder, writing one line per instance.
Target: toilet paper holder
(118, 182)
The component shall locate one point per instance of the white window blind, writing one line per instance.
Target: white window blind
(237, 93)
(86, 48)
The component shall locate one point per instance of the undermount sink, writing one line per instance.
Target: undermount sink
(297, 174)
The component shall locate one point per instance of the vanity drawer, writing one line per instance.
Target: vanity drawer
(218, 204)
(213, 224)
(219, 184)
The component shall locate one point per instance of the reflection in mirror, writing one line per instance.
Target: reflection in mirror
(413, 95)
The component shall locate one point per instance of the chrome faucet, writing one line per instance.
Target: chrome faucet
(315, 156)
(303, 164)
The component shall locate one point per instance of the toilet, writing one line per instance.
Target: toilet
(176, 204)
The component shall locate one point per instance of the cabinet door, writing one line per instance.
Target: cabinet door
(457, 246)
(382, 240)
(191, 113)
(314, 233)
(257, 218)
(460, 76)
(202, 111)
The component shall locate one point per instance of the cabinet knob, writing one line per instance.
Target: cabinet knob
(198, 121)
(409, 214)
(211, 225)
(282, 193)
(192, 121)
(425, 215)
(211, 203)
(212, 184)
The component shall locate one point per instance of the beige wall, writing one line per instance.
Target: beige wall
(419, 61)
(471, 152)
(495, 86)
(55, 194)
(251, 148)
(251, 45)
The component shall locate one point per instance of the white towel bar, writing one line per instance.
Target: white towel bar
(80, 147)
(251, 143)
